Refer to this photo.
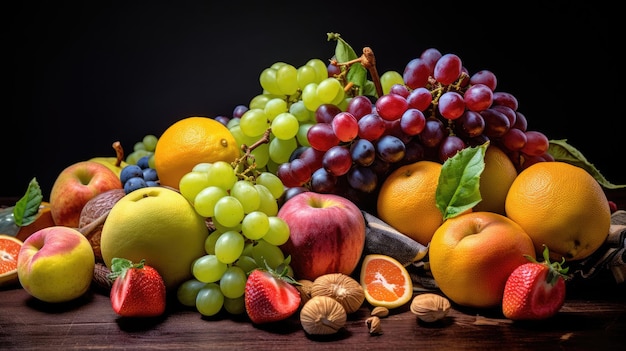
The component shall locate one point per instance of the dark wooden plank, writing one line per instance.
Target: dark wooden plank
(593, 317)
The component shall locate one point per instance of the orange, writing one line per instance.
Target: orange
(495, 180)
(190, 141)
(9, 248)
(472, 255)
(385, 281)
(407, 202)
(561, 206)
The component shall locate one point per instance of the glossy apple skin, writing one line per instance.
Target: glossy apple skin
(327, 234)
(77, 184)
(110, 163)
(56, 264)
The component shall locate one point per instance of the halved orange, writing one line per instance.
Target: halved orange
(386, 281)
(9, 248)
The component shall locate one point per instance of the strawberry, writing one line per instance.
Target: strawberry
(535, 290)
(270, 296)
(138, 289)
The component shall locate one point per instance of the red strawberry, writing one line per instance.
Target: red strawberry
(138, 289)
(270, 296)
(535, 290)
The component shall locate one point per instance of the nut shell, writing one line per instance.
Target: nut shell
(322, 315)
(430, 307)
(341, 287)
(93, 209)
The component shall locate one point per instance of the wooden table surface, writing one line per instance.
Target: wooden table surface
(592, 318)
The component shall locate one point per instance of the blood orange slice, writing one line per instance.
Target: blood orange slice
(9, 248)
(386, 281)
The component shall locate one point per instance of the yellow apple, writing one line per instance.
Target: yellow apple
(55, 264)
(159, 225)
(113, 163)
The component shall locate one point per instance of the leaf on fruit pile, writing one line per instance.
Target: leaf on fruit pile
(357, 74)
(26, 209)
(459, 181)
(562, 151)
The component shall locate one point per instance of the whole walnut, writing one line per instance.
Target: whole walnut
(94, 209)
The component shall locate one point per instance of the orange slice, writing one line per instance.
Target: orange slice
(386, 281)
(9, 248)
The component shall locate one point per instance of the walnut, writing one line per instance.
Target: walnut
(430, 307)
(305, 290)
(341, 287)
(322, 315)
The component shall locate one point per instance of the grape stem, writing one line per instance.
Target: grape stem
(368, 61)
(248, 154)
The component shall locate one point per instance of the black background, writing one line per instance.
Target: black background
(84, 74)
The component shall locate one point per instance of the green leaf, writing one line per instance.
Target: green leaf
(357, 74)
(119, 267)
(26, 209)
(458, 187)
(562, 151)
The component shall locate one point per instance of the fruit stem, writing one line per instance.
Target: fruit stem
(119, 152)
(367, 60)
(88, 230)
(247, 154)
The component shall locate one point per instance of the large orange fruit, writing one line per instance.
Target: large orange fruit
(385, 281)
(190, 141)
(472, 255)
(407, 200)
(9, 248)
(561, 206)
(495, 180)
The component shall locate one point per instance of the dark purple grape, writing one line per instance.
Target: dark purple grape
(326, 112)
(496, 123)
(416, 73)
(300, 171)
(508, 112)
(433, 132)
(284, 173)
(390, 149)
(323, 182)
(450, 146)
(514, 139)
(478, 97)
(431, 56)
(360, 106)
(520, 121)
(239, 110)
(399, 89)
(451, 105)
(470, 124)
(291, 192)
(420, 98)
(222, 119)
(363, 179)
(371, 127)
(506, 99)
(536, 143)
(363, 152)
(448, 69)
(312, 157)
(414, 152)
(412, 122)
(321, 136)
(337, 160)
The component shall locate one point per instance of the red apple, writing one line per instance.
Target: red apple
(75, 186)
(327, 234)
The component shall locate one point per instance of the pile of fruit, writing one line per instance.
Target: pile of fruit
(262, 212)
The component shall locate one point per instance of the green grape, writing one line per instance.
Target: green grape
(187, 292)
(235, 306)
(287, 79)
(267, 79)
(278, 64)
(309, 97)
(271, 166)
(208, 269)
(229, 246)
(255, 225)
(302, 114)
(301, 136)
(192, 183)
(254, 122)
(202, 167)
(247, 262)
(306, 75)
(278, 231)
(264, 252)
(228, 211)
(247, 194)
(388, 79)
(233, 282)
(211, 239)
(281, 149)
(222, 174)
(149, 142)
(274, 107)
(134, 156)
(205, 201)
(150, 161)
(139, 146)
(321, 71)
(285, 126)
(232, 122)
(269, 205)
(240, 137)
(272, 183)
(261, 155)
(339, 99)
(328, 90)
(259, 101)
(210, 300)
